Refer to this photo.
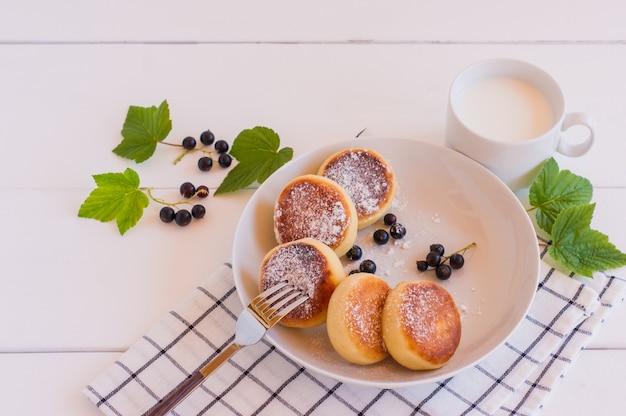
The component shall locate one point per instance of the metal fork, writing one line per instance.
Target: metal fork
(263, 312)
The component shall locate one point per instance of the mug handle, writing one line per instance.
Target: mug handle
(577, 149)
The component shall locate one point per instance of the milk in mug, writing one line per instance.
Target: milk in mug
(505, 109)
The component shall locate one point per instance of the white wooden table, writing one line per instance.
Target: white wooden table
(74, 294)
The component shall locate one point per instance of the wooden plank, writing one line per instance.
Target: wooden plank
(67, 103)
(50, 383)
(285, 21)
(75, 283)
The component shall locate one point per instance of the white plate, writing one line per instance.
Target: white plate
(443, 197)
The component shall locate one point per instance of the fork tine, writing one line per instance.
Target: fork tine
(269, 308)
(276, 302)
(268, 292)
(263, 304)
(277, 315)
(272, 295)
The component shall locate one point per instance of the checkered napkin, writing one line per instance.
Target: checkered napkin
(260, 380)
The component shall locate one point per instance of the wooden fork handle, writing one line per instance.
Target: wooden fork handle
(190, 384)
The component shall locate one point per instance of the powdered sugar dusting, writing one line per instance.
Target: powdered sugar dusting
(364, 315)
(310, 209)
(430, 318)
(418, 311)
(304, 267)
(363, 176)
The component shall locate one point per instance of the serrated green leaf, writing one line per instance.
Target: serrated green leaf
(117, 197)
(256, 151)
(252, 144)
(240, 176)
(283, 156)
(143, 128)
(580, 248)
(554, 191)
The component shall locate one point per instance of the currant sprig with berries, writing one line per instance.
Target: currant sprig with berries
(257, 150)
(118, 195)
(146, 127)
(183, 216)
(207, 138)
(436, 260)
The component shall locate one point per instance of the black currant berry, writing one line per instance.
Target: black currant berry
(397, 231)
(443, 272)
(207, 137)
(183, 217)
(381, 237)
(205, 163)
(225, 160)
(422, 266)
(202, 191)
(367, 266)
(433, 259)
(167, 214)
(189, 143)
(437, 248)
(389, 219)
(354, 253)
(221, 146)
(187, 189)
(198, 211)
(457, 261)
(354, 271)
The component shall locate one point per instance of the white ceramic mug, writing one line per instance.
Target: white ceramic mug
(510, 116)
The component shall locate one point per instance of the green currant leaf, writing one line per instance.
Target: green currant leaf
(250, 143)
(554, 191)
(580, 248)
(257, 154)
(143, 128)
(117, 197)
(283, 156)
(242, 175)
